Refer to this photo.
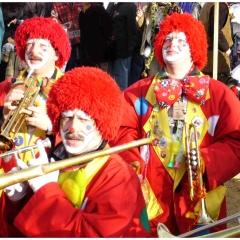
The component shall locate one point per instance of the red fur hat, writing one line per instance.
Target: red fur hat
(194, 31)
(46, 28)
(93, 91)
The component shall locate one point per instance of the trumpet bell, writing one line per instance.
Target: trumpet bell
(6, 144)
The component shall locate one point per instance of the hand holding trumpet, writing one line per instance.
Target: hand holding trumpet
(13, 96)
(37, 115)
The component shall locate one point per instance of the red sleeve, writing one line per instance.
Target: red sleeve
(114, 198)
(8, 212)
(221, 149)
(132, 123)
(5, 87)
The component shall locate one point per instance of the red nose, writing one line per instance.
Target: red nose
(71, 130)
(32, 53)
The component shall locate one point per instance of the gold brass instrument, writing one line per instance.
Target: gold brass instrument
(46, 143)
(163, 231)
(193, 160)
(15, 118)
(23, 175)
(203, 221)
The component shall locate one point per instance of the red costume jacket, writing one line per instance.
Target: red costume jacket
(115, 208)
(166, 190)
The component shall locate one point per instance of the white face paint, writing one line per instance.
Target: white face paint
(175, 47)
(86, 136)
(39, 49)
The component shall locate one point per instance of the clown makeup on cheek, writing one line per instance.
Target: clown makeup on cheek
(61, 123)
(88, 127)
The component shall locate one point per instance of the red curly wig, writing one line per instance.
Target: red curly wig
(45, 28)
(194, 31)
(93, 91)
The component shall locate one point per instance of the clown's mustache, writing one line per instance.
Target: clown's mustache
(33, 57)
(74, 136)
(172, 50)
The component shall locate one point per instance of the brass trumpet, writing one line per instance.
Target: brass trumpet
(46, 143)
(15, 118)
(23, 175)
(193, 161)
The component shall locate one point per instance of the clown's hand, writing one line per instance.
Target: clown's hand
(17, 191)
(38, 182)
(43, 157)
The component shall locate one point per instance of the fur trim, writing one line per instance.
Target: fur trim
(46, 28)
(195, 33)
(91, 90)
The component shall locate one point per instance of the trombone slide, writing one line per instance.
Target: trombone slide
(23, 175)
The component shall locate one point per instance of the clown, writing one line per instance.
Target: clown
(44, 46)
(102, 198)
(163, 107)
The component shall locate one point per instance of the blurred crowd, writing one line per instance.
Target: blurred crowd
(118, 37)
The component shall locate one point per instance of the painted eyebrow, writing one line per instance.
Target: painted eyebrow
(43, 42)
(83, 115)
(30, 40)
(67, 113)
(179, 35)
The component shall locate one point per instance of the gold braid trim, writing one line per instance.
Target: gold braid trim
(150, 58)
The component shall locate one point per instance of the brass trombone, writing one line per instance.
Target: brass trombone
(23, 175)
(163, 231)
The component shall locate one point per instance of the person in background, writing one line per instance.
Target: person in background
(2, 29)
(15, 65)
(148, 19)
(225, 42)
(13, 15)
(44, 46)
(137, 60)
(101, 198)
(67, 14)
(193, 8)
(97, 35)
(165, 107)
(124, 20)
(40, 9)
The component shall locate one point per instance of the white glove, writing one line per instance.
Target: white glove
(38, 182)
(235, 9)
(228, 52)
(235, 73)
(43, 157)
(16, 191)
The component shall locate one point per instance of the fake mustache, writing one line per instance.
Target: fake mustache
(74, 136)
(33, 57)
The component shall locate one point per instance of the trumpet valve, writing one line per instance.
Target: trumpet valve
(47, 143)
(194, 163)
